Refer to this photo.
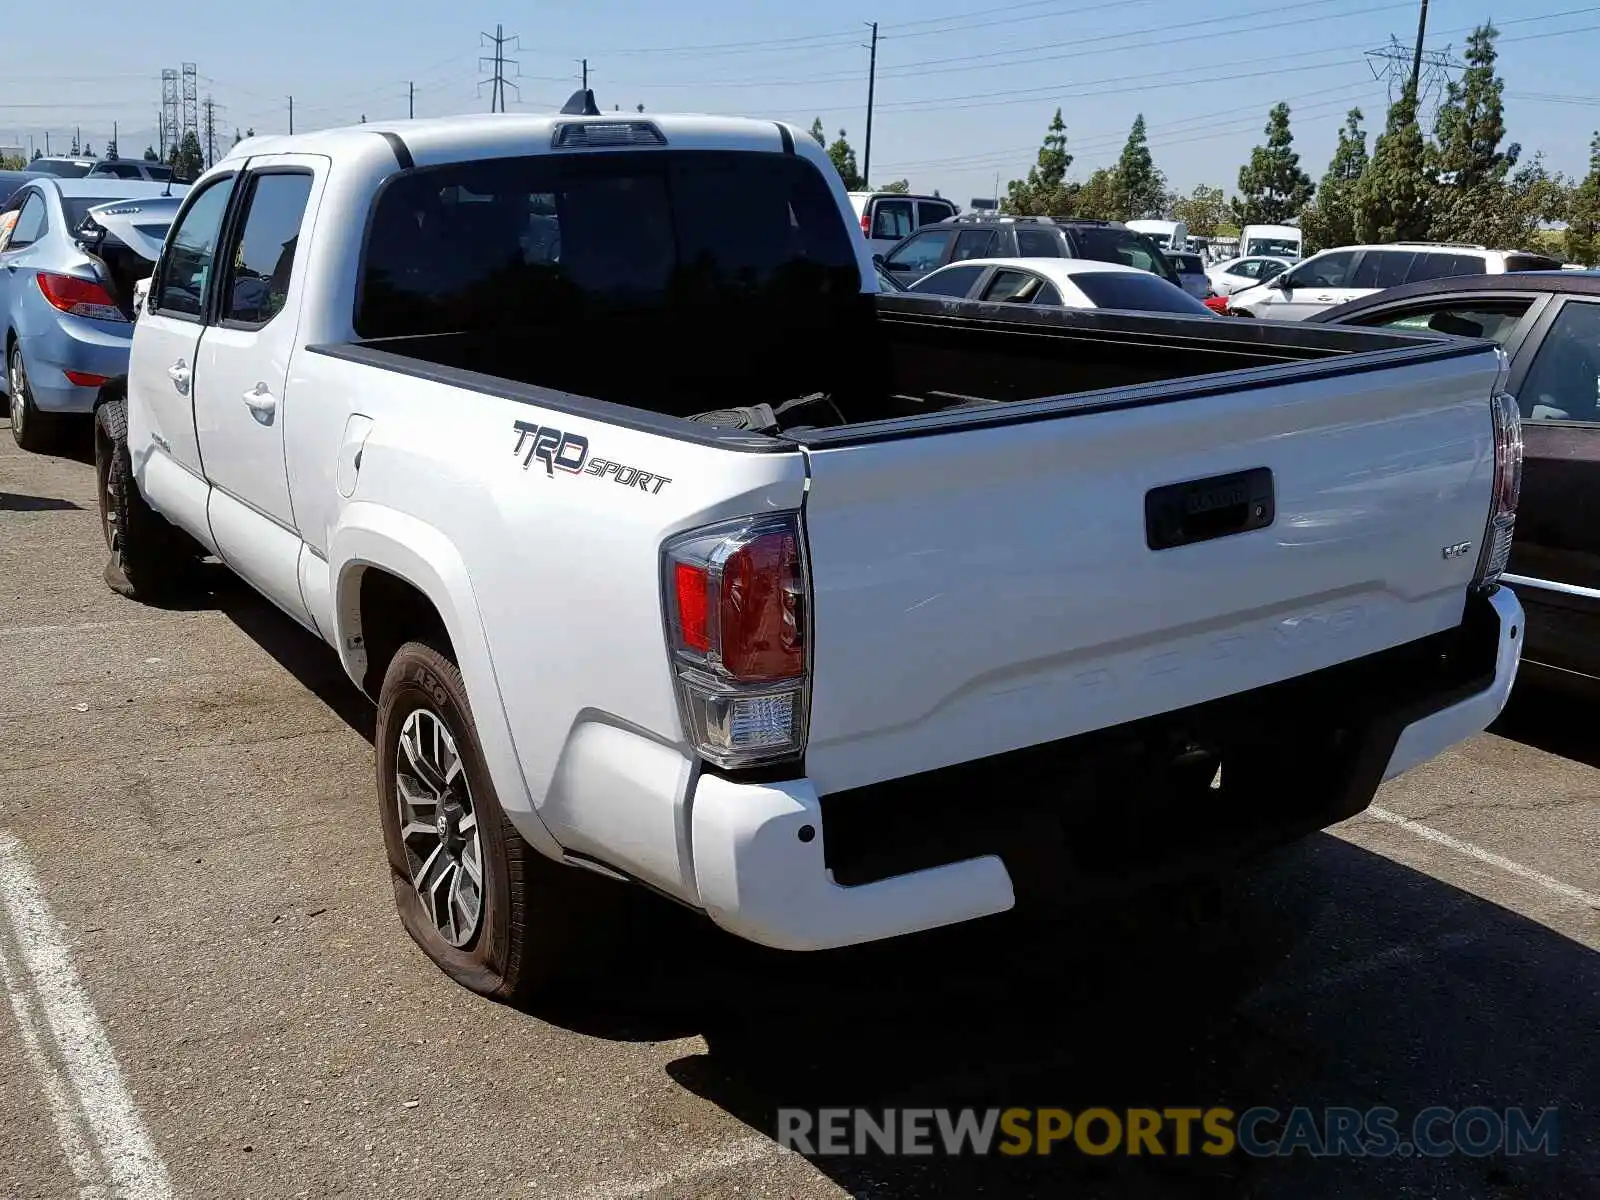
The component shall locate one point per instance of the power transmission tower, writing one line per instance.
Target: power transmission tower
(171, 110)
(191, 101)
(211, 131)
(1402, 67)
(499, 80)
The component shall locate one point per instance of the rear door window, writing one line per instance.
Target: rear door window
(922, 253)
(263, 256)
(1379, 269)
(1492, 319)
(953, 281)
(1013, 287)
(1563, 384)
(1038, 243)
(892, 219)
(973, 243)
(931, 212)
(31, 223)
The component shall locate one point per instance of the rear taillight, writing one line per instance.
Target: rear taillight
(1507, 488)
(79, 297)
(736, 609)
(866, 223)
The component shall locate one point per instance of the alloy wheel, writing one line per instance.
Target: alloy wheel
(439, 827)
(19, 394)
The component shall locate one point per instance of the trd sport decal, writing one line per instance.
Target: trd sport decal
(569, 452)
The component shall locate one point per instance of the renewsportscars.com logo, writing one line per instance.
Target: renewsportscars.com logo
(1260, 1132)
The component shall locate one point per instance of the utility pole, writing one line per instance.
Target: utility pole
(291, 114)
(872, 79)
(116, 150)
(497, 97)
(411, 100)
(211, 131)
(1416, 58)
(585, 63)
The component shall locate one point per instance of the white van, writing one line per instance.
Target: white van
(1169, 235)
(889, 217)
(1278, 241)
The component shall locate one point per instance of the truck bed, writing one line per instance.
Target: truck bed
(881, 358)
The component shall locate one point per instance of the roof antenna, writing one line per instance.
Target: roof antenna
(581, 104)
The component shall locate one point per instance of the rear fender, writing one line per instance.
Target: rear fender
(374, 536)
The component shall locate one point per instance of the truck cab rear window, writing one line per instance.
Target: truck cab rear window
(553, 238)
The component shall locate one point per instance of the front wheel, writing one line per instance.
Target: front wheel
(151, 559)
(492, 912)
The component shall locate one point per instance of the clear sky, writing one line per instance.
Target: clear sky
(964, 92)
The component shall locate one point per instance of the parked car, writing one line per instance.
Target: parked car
(1059, 572)
(10, 181)
(1236, 274)
(1548, 323)
(1058, 283)
(73, 167)
(74, 250)
(1350, 272)
(888, 217)
(981, 235)
(131, 168)
(1191, 269)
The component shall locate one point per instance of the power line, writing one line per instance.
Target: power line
(497, 98)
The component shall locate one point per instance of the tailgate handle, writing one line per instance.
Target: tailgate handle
(1199, 510)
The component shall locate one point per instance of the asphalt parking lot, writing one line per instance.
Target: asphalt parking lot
(210, 994)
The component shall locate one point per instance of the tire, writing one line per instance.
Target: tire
(151, 559)
(35, 431)
(538, 924)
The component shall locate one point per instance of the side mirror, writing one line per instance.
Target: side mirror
(878, 258)
(141, 293)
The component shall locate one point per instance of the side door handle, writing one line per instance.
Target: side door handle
(263, 405)
(178, 372)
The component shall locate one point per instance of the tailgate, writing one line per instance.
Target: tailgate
(993, 587)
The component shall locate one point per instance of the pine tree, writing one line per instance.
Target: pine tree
(1045, 192)
(1392, 194)
(189, 163)
(1477, 196)
(1272, 187)
(1583, 213)
(1141, 189)
(1330, 219)
(844, 161)
(816, 132)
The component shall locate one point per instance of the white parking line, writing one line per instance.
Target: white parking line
(742, 1153)
(127, 1163)
(1548, 882)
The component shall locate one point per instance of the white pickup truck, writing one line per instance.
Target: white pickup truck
(671, 552)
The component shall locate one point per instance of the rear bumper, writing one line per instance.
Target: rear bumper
(764, 870)
(72, 344)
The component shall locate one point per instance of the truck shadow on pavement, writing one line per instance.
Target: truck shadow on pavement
(1338, 978)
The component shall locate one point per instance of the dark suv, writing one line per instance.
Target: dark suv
(984, 235)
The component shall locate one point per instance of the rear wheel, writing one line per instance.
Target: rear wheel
(151, 559)
(34, 431)
(492, 912)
